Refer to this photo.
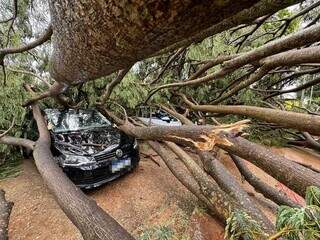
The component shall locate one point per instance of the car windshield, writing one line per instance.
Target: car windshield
(74, 120)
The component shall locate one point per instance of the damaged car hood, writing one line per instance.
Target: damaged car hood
(87, 142)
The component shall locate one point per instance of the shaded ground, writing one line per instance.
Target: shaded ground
(149, 203)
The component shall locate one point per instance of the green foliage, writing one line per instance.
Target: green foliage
(301, 223)
(291, 224)
(130, 92)
(241, 226)
(12, 96)
(11, 167)
(157, 233)
(313, 196)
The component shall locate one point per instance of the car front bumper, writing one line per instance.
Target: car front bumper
(100, 173)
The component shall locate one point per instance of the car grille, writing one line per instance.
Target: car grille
(105, 156)
(111, 155)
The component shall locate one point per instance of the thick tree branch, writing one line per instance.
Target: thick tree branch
(203, 137)
(84, 212)
(268, 56)
(180, 171)
(5, 210)
(17, 142)
(304, 122)
(215, 194)
(296, 89)
(260, 186)
(40, 40)
(313, 143)
(293, 175)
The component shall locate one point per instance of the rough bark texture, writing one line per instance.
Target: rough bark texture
(304, 122)
(229, 184)
(17, 142)
(86, 215)
(5, 210)
(223, 203)
(179, 170)
(111, 35)
(262, 187)
(223, 178)
(293, 175)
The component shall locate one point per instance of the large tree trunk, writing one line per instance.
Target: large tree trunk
(222, 176)
(180, 171)
(224, 204)
(293, 175)
(262, 187)
(93, 222)
(110, 35)
(229, 183)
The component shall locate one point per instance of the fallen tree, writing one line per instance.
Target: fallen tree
(300, 121)
(85, 214)
(5, 211)
(293, 175)
(92, 39)
(260, 186)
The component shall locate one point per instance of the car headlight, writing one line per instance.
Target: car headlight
(135, 144)
(76, 160)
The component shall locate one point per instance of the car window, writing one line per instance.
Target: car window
(74, 120)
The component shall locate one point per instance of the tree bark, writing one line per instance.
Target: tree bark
(86, 215)
(214, 193)
(262, 187)
(311, 141)
(180, 171)
(202, 137)
(5, 210)
(223, 178)
(304, 122)
(293, 175)
(17, 142)
(229, 184)
(109, 36)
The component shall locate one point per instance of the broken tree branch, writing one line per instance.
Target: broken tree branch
(293, 175)
(260, 186)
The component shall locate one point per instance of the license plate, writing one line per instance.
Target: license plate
(120, 164)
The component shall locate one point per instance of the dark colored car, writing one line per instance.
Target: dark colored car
(85, 144)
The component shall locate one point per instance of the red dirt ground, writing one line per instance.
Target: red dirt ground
(148, 197)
